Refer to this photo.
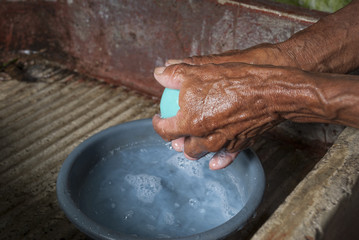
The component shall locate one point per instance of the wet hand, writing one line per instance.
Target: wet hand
(222, 106)
(260, 54)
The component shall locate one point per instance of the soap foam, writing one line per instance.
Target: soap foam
(191, 168)
(146, 186)
(158, 193)
(215, 188)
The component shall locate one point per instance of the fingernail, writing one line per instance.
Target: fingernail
(221, 160)
(173, 61)
(178, 147)
(159, 70)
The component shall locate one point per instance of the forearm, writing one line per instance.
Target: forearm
(326, 98)
(330, 45)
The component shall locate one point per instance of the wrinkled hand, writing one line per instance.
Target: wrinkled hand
(261, 54)
(304, 50)
(224, 106)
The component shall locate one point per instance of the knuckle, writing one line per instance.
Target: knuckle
(178, 71)
(214, 143)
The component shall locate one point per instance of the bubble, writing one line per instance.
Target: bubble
(169, 218)
(215, 188)
(128, 215)
(160, 197)
(191, 168)
(229, 211)
(193, 202)
(169, 145)
(146, 186)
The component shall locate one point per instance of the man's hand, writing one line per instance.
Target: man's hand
(226, 106)
(330, 45)
(263, 54)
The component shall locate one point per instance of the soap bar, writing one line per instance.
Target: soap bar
(169, 103)
(169, 108)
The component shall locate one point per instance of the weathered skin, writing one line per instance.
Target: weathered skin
(228, 100)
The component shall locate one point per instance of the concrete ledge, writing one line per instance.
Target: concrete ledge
(314, 204)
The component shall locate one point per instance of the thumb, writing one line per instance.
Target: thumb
(171, 76)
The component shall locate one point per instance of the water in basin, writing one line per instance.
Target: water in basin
(148, 192)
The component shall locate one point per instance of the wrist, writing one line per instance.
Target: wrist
(299, 98)
(321, 97)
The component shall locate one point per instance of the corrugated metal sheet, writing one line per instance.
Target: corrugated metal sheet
(41, 122)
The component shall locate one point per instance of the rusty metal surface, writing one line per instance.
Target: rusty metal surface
(47, 110)
(122, 41)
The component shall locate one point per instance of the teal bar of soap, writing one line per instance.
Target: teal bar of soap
(169, 103)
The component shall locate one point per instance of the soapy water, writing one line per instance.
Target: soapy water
(146, 186)
(156, 192)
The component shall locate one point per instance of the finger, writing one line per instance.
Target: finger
(222, 159)
(166, 127)
(171, 76)
(173, 61)
(228, 56)
(178, 144)
(190, 158)
(225, 57)
(194, 60)
(201, 60)
(196, 147)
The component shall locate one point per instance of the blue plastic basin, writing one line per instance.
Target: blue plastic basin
(126, 183)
